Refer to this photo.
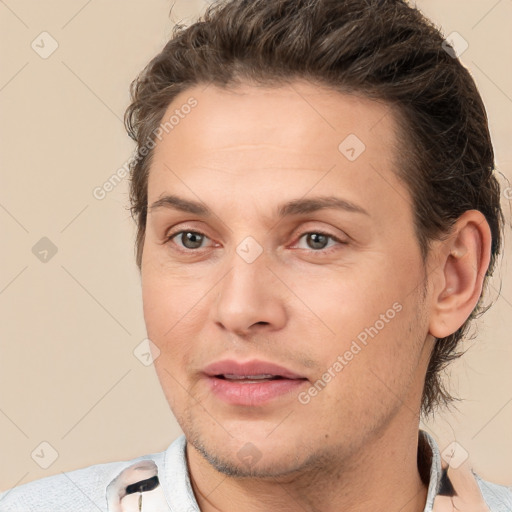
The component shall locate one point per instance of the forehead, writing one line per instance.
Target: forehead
(299, 116)
(275, 140)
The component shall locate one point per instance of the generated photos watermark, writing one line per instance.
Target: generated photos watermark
(100, 192)
(355, 348)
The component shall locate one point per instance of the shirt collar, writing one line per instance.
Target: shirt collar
(429, 466)
(177, 490)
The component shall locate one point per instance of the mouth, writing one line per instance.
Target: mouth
(253, 383)
(248, 379)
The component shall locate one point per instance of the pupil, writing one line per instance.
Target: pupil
(318, 238)
(191, 238)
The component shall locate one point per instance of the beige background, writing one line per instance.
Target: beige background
(68, 375)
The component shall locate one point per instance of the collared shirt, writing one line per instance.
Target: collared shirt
(160, 482)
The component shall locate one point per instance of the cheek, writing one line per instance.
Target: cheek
(175, 312)
(168, 301)
(346, 303)
(369, 374)
(368, 315)
(157, 307)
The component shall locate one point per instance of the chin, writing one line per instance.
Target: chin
(246, 455)
(248, 461)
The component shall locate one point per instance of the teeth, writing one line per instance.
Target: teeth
(249, 377)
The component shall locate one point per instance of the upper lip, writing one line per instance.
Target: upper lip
(248, 368)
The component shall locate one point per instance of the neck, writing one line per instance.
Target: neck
(383, 475)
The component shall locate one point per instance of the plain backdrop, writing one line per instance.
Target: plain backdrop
(69, 288)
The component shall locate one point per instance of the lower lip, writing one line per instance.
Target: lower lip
(253, 393)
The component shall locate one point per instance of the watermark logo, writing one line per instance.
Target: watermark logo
(249, 249)
(44, 455)
(249, 454)
(454, 455)
(146, 352)
(44, 250)
(351, 147)
(44, 45)
(455, 45)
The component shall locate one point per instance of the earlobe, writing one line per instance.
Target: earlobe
(463, 258)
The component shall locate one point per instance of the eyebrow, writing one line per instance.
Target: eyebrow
(294, 207)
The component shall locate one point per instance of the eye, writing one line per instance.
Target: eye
(317, 241)
(189, 240)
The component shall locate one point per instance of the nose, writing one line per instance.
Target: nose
(250, 297)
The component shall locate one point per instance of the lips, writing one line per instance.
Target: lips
(249, 378)
(252, 383)
(260, 370)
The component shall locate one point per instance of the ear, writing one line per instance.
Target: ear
(463, 261)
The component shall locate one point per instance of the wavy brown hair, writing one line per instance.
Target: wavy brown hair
(382, 49)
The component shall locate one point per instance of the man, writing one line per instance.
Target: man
(317, 215)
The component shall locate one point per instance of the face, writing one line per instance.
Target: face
(282, 281)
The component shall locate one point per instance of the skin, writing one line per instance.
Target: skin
(242, 152)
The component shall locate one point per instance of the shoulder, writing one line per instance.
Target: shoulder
(497, 497)
(79, 490)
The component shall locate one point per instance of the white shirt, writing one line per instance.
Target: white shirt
(115, 486)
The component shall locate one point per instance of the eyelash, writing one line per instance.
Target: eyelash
(328, 250)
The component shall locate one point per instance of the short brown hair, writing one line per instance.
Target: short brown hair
(383, 49)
